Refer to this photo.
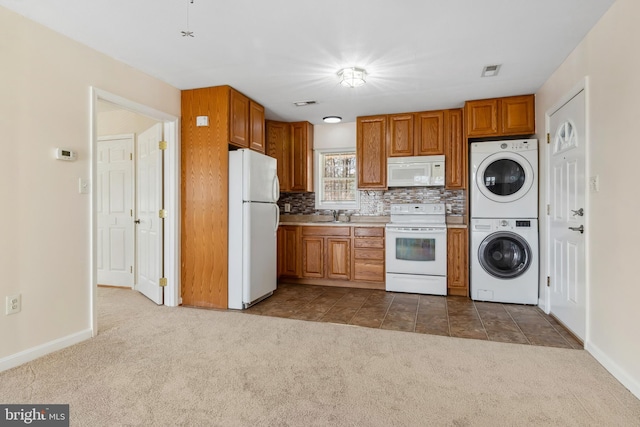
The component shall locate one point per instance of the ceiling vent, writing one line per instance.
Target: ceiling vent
(491, 70)
(304, 103)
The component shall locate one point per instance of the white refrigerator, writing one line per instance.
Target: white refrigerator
(253, 224)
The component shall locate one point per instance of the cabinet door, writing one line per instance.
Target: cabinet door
(456, 151)
(339, 258)
(458, 262)
(482, 117)
(517, 115)
(288, 250)
(238, 119)
(313, 257)
(279, 147)
(301, 167)
(256, 129)
(371, 158)
(401, 127)
(429, 133)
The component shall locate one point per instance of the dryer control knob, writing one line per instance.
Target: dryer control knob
(504, 223)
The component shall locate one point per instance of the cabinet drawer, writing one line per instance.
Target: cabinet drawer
(369, 270)
(368, 231)
(367, 253)
(326, 231)
(369, 242)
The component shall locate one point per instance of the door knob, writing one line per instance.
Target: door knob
(579, 212)
(137, 221)
(580, 229)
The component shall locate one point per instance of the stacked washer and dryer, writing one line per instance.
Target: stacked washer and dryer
(504, 221)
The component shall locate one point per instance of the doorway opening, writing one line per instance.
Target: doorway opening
(147, 212)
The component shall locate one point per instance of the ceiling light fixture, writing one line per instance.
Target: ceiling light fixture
(491, 70)
(352, 77)
(304, 103)
(187, 33)
(332, 119)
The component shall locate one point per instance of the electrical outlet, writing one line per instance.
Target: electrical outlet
(449, 208)
(594, 183)
(287, 207)
(14, 304)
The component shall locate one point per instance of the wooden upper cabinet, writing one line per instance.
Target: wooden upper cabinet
(429, 133)
(257, 127)
(517, 115)
(401, 138)
(279, 147)
(371, 156)
(238, 119)
(456, 155)
(301, 167)
(513, 115)
(482, 117)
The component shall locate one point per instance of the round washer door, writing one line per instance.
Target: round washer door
(505, 255)
(504, 177)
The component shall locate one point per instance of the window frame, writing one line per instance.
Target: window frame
(318, 168)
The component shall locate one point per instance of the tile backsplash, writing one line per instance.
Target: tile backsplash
(374, 202)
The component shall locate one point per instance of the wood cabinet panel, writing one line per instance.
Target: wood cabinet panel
(313, 257)
(339, 258)
(238, 119)
(430, 133)
(482, 117)
(371, 156)
(456, 155)
(324, 230)
(518, 115)
(368, 253)
(458, 261)
(369, 242)
(401, 139)
(279, 147)
(289, 260)
(301, 167)
(368, 270)
(368, 231)
(257, 127)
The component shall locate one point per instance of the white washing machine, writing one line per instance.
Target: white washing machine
(504, 260)
(504, 179)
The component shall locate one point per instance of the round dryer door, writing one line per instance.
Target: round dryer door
(504, 255)
(504, 177)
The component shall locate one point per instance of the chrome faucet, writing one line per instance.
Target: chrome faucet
(336, 215)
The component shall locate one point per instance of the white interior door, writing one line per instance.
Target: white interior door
(115, 210)
(149, 202)
(567, 233)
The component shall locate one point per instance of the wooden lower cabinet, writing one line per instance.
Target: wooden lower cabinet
(458, 261)
(368, 254)
(288, 251)
(338, 258)
(313, 257)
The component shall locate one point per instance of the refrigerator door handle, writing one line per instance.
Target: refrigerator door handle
(277, 217)
(276, 188)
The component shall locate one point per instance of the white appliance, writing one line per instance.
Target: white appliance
(416, 249)
(253, 224)
(415, 171)
(504, 260)
(504, 179)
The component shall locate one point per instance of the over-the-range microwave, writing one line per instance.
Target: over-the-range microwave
(415, 171)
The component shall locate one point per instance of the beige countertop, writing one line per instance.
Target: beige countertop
(354, 220)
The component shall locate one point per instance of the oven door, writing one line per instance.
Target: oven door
(416, 250)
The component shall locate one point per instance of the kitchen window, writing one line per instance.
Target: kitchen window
(336, 179)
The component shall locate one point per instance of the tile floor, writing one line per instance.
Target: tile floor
(426, 314)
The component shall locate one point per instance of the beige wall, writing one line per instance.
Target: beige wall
(118, 122)
(338, 135)
(609, 57)
(45, 82)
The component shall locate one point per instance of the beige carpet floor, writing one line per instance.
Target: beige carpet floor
(160, 366)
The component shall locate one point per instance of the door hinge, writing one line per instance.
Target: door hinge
(548, 138)
(548, 281)
(131, 269)
(162, 145)
(548, 209)
(162, 213)
(162, 282)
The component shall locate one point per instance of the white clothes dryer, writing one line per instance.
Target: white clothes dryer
(504, 260)
(504, 179)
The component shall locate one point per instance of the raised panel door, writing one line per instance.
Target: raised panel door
(256, 121)
(301, 167)
(517, 115)
(279, 147)
(482, 117)
(313, 257)
(339, 257)
(430, 133)
(401, 127)
(458, 262)
(238, 119)
(289, 257)
(371, 158)
(456, 153)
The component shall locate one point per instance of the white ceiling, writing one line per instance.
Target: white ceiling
(420, 54)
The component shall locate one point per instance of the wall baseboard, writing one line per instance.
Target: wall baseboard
(633, 384)
(41, 350)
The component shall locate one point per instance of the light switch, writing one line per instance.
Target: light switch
(202, 121)
(594, 183)
(83, 186)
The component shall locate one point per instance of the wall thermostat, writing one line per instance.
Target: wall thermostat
(64, 154)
